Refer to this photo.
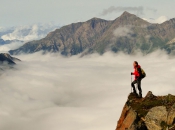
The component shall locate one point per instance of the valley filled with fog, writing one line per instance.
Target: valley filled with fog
(55, 92)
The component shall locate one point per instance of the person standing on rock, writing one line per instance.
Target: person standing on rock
(139, 75)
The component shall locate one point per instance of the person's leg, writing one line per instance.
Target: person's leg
(133, 86)
(139, 87)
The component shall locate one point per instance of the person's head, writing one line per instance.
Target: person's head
(135, 64)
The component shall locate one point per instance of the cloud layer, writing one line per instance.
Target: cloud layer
(13, 45)
(159, 20)
(53, 92)
(124, 31)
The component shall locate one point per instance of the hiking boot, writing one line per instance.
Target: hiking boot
(140, 95)
(134, 91)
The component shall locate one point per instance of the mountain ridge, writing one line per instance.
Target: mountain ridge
(126, 33)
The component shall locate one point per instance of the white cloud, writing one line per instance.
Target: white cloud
(124, 31)
(29, 32)
(53, 92)
(159, 20)
(6, 47)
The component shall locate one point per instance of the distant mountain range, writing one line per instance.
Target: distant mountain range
(25, 33)
(127, 33)
(2, 42)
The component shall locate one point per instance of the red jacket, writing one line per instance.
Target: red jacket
(136, 72)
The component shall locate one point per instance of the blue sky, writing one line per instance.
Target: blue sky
(24, 12)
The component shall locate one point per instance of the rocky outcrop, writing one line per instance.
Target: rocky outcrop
(149, 113)
(7, 59)
(126, 33)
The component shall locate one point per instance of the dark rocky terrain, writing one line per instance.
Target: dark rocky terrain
(148, 113)
(7, 59)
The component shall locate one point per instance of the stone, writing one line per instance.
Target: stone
(149, 95)
(155, 117)
(171, 116)
(127, 119)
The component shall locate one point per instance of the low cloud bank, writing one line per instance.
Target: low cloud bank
(53, 92)
(7, 47)
(159, 20)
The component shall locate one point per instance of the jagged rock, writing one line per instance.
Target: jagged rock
(148, 113)
(171, 116)
(127, 118)
(7, 62)
(155, 117)
(149, 95)
(5, 57)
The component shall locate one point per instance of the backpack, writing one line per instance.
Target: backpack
(143, 73)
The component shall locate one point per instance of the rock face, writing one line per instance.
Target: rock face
(149, 113)
(126, 33)
(6, 58)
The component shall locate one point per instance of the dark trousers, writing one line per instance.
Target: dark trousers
(138, 82)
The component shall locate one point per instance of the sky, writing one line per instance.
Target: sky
(25, 12)
(88, 93)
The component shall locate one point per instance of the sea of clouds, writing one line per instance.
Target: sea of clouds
(51, 92)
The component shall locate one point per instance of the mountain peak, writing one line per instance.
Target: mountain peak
(96, 19)
(127, 14)
(5, 57)
(130, 19)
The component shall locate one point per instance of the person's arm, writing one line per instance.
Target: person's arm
(136, 73)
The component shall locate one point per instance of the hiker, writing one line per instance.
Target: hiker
(139, 75)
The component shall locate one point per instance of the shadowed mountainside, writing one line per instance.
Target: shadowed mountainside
(6, 58)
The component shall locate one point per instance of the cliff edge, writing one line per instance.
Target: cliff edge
(148, 113)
